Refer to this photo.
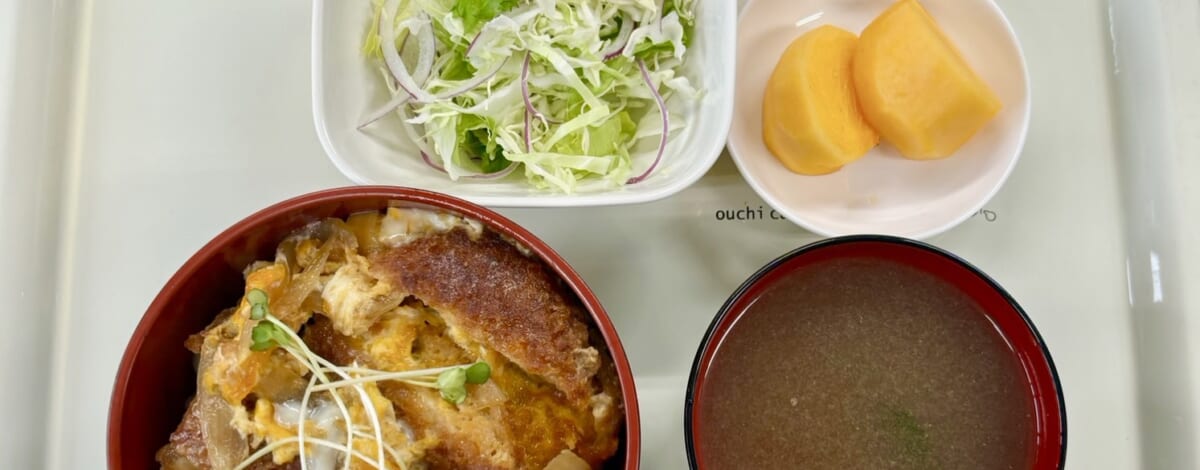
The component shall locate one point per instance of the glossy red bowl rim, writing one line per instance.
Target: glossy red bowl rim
(1044, 401)
(490, 219)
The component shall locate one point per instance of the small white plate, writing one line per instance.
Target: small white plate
(346, 87)
(882, 192)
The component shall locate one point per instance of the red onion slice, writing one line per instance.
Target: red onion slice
(427, 44)
(618, 44)
(662, 110)
(403, 44)
(391, 55)
(386, 109)
(431, 163)
(416, 137)
(528, 137)
(474, 82)
(470, 46)
(529, 109)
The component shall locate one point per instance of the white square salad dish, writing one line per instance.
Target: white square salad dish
(528, 97)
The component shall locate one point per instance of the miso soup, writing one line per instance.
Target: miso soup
(864, 364)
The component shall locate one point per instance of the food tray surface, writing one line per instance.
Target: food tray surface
(132, 131)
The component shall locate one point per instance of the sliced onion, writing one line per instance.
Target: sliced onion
(427, 49)
(418, 140)
(413, 135)
(403, 44)
(662, 110)
(427, 46)
(474, 82)
(529, 109)
(430, 162)
(226, 446)
(391, 55)
(472, 44)
(528, 137)
(386, 109)
(618, 44)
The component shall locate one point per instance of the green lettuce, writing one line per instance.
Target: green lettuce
(588, 112)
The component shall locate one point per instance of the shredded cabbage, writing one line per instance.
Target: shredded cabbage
(587, 103)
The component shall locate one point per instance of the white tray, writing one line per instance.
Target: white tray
(131, 131)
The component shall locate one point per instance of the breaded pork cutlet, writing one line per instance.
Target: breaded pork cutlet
(493, 294)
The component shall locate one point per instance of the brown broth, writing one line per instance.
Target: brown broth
(864, 364)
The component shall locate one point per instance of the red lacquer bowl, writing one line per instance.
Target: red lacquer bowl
(1049, 415)
(156, 377)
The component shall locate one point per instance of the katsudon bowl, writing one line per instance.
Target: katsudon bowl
(156, 383)
(873, 352)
